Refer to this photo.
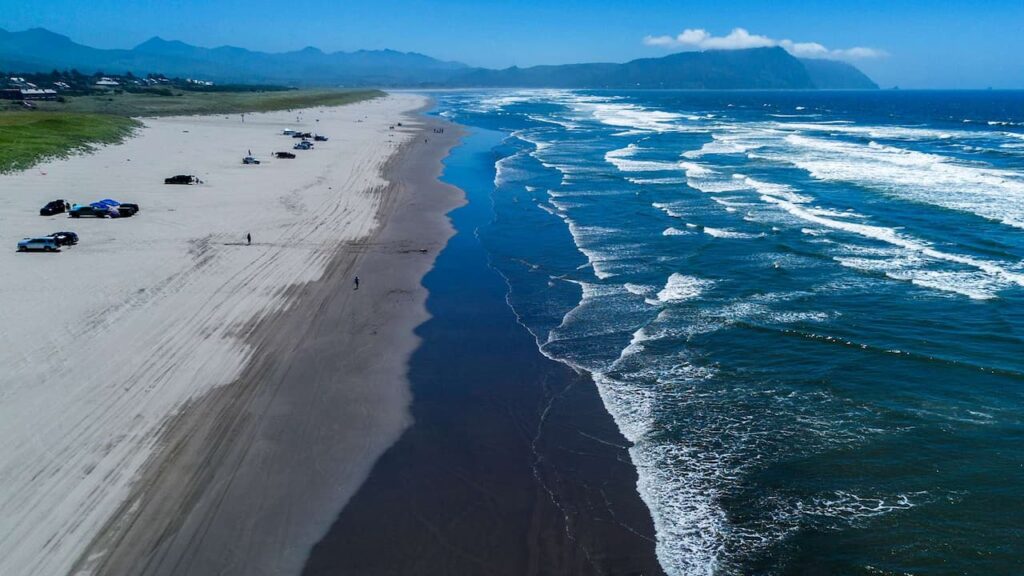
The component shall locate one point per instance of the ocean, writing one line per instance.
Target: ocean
(803, 309)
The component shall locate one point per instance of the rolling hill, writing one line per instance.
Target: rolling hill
(39, 50)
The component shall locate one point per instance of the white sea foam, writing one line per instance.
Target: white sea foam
(853, 508)
(694, 170)
(505, 171)
(622, 159)
(774, 190)
(548, 209)
(532, 138)
(992, 193)
(725, 144)
(613, 111)
(681, 287)
(674, 232)
(813, 231)
(584, 236)
(727, 233)
(974, 285)
(729, 204)
(689, 522)
(639, 289)
(563, 206)
(567, 124)
(642, 181)
(674, 210)
(907, 133)
(636, 343)
(915, 247)
(636, 117)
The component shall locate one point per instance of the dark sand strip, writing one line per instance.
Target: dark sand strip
(512, 465)
(253, 474)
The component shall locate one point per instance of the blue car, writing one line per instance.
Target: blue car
(46, 244)
(95, 209)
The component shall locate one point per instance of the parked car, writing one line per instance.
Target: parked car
(288, 132)
(182, 179)
(302, 135)
(284, 155)
(304, 145)
(128, 207)
(64, 238)
(97, 210)
(109, 205)
(250, 160)
(54, 207)
(45, 244)
(320, 138)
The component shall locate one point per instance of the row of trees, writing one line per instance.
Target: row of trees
(76, 76)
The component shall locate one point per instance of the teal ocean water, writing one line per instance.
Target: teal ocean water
(804, 309)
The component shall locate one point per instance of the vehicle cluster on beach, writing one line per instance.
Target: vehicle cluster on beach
(105, 208)
(110, 208)
(304, 141)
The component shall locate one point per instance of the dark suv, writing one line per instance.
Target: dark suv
(64, 238)
(55, 207)
(127, 209)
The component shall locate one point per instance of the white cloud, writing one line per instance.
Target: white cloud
(739, 38)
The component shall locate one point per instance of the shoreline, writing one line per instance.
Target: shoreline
(282, 403)
(512, 465)
(252, 474)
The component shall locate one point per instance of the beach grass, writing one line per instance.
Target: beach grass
(56, 129)
(27, 138)
(182, 102)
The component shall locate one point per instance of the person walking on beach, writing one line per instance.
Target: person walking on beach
(248, 239)
(356, 282)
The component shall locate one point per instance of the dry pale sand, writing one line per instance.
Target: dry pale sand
(132, 361)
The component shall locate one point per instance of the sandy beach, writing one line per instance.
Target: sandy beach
(176, 401)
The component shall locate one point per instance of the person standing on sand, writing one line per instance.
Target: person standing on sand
(248, 239)
(356, 281)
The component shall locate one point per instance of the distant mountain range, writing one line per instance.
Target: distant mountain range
(760, 68)
(39, 50)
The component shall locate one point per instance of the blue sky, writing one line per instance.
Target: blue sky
(910, 43)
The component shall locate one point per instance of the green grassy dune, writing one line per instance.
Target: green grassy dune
(187, 102)
(29, 137)
(60, 128)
